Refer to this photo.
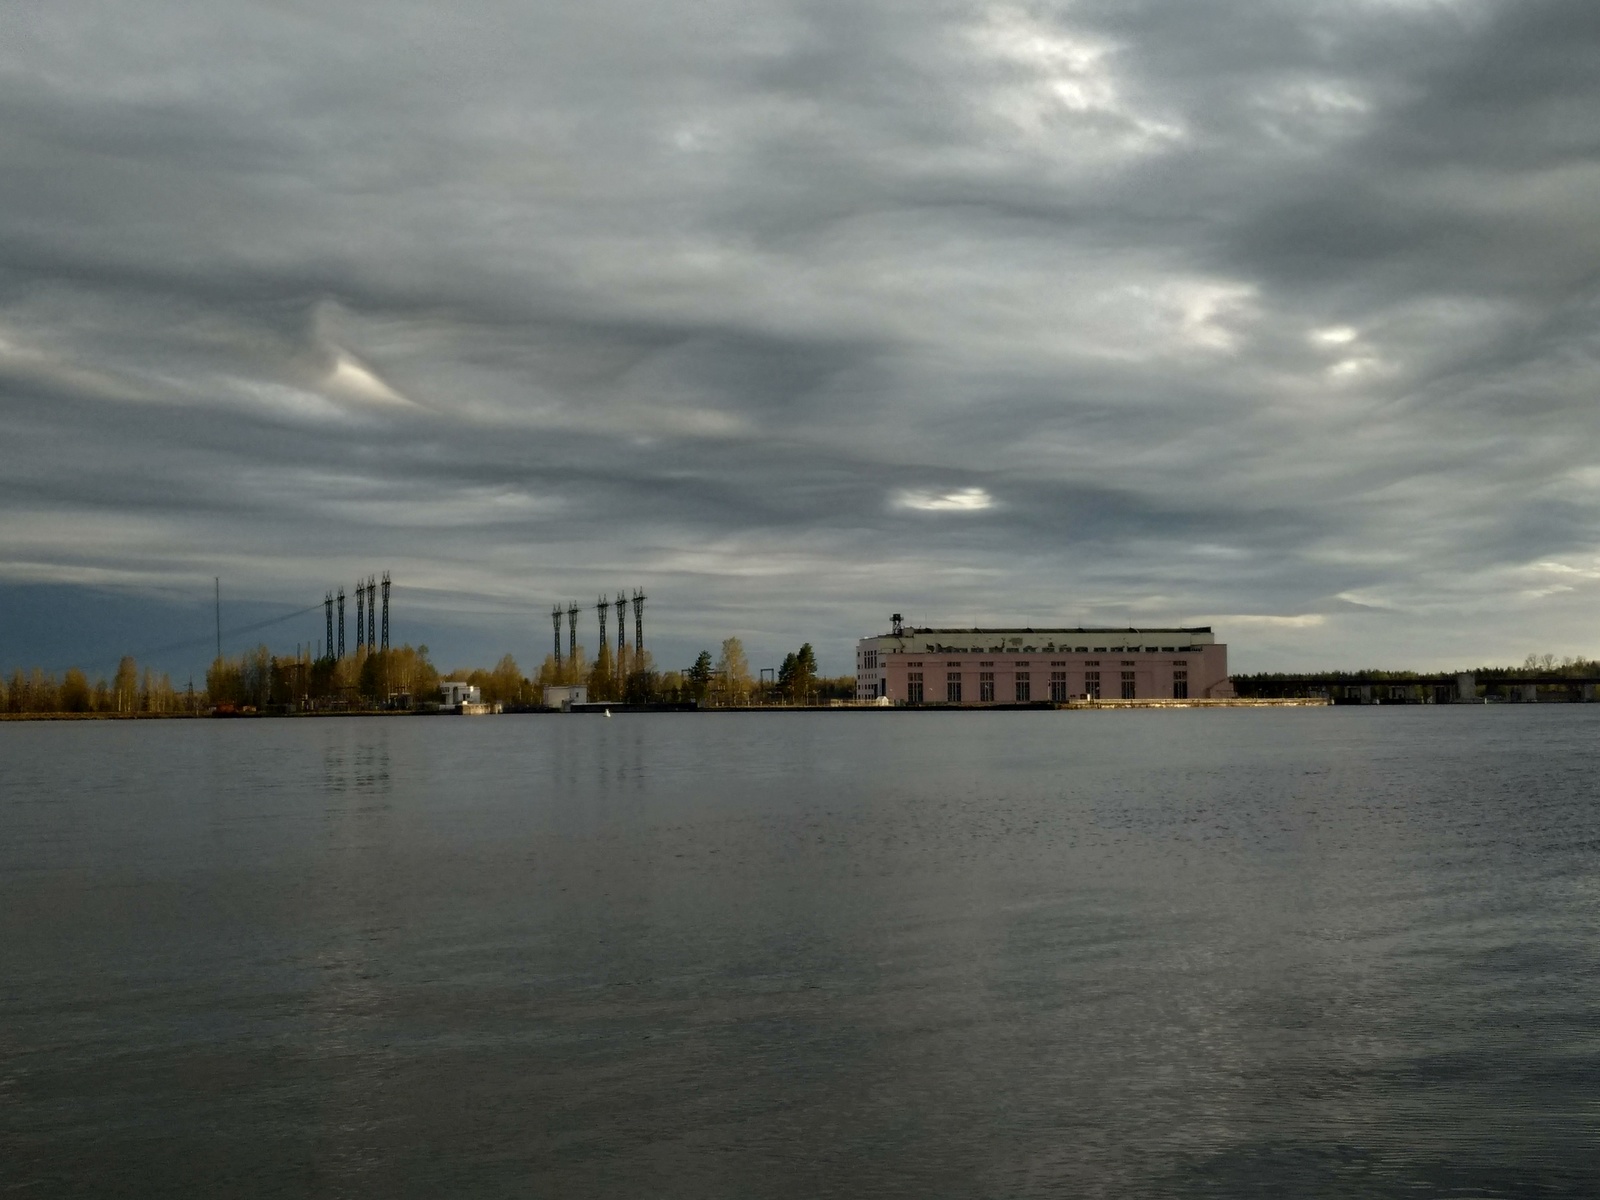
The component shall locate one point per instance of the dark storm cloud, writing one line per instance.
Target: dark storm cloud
(1281, 316)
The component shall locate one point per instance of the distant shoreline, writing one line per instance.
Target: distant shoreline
(1072, 705)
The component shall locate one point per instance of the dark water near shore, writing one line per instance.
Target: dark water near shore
(1342, 952)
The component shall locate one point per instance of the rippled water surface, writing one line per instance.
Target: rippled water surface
(1338, 952)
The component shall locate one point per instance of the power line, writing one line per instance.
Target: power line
(189, 643)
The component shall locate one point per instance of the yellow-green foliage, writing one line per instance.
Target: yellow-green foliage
(37, 691)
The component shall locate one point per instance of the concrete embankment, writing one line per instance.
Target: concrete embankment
(1237, 702)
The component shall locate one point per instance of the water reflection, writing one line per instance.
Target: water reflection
(358, 763)
(1315, 953)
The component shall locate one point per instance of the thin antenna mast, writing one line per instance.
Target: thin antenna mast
(555, 620)
(217, 581)
(638, 620)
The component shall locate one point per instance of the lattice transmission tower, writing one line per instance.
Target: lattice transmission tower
(622, 629)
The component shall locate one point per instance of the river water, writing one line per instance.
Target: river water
(1296, 952)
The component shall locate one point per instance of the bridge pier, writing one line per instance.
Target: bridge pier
(1466, 688)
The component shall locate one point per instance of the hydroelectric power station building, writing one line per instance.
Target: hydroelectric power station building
(1025, 666)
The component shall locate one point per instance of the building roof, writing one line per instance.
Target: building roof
(923, 630)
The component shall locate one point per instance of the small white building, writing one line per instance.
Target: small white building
(565, 697)
(454, 693)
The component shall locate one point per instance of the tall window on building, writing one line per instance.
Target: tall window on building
(1180, 685)
(1058, 686)
(913, 687)
(1129, 691)
(952, 687)
(1024, 687)
(1091, 684)
(986, 687)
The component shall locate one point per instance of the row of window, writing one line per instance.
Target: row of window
(1127, 662)
(1023, 686)
(1062, 650)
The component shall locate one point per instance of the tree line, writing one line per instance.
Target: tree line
(129, 691)
(405, 677)
(1534, 666)
(726, 681)
(399, 677)
(722, 681)
(254, 679)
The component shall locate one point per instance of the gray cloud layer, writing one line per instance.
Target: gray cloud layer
(1279, 316)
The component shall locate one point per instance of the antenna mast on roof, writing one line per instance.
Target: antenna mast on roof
(899, 628)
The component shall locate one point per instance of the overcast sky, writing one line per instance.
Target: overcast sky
(1277, 316)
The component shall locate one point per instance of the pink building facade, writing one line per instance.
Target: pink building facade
(979, 667)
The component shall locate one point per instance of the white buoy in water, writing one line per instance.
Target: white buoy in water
(608, 712)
